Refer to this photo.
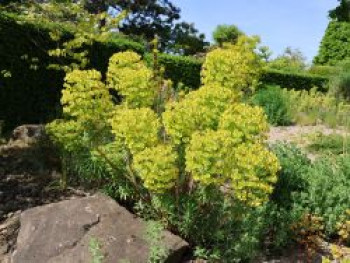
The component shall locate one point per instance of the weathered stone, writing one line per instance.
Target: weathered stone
(8, 232)
(28, 133)
(61, 233)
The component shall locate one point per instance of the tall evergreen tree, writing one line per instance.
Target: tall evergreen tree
(335, 45)
(342, 12)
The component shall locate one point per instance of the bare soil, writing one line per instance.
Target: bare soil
(28, 178)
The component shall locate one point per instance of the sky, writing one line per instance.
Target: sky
(280, 23)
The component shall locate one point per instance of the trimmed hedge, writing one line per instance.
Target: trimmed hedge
(101, 52)
(182, 69)
(295, 81)
(32, 93)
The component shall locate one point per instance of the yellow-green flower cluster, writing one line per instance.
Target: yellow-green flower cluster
(209, 155)
(236, 67)
(138, 128)
(85, 96)
(250, 120)
(226, 157)
(234, 155)
(66, 133)
(156, 166)
(87, 106)
(129, 75)
(254, 173)
(199, 110)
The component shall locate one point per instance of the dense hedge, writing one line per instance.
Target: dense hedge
(32, 93)
(335, 45)
(101, 52)
(182, 69)
(297, 81)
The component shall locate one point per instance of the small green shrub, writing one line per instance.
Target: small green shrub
(274, 103)
(318, 191)
(294, 165)
(332, 143)
(277, 234)
(322, 70)
(344, 84)
(154, 237)
(327, 192)
(95, 250)
(340, 81)
(314, 107)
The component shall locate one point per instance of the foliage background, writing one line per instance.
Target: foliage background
(30, 93)
(335, 45)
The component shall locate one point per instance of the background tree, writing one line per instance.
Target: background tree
(335, 45)
(265, 53)
(290, 60)
(226, 33)
(146, 18)
(342, 12)
(186, 40)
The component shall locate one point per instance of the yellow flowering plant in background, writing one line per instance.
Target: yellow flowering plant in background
(87, 106)
(236, 67)
(129, 75)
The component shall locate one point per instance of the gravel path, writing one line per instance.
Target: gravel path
(299, 134)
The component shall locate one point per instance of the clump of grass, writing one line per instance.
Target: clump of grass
(153, 235)
(95, 250)
(329, 144)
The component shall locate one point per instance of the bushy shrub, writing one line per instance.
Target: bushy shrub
(327, 191)
(226, 66)
(332, 143)
(310, 198)
(313, 107)
(138, 91)
(275, 104)
(322, 70)
(198, 163)
(310, 191)
(340, 81)
(277, 233)
(294, 165)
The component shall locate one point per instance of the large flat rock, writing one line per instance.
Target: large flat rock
(62, 232)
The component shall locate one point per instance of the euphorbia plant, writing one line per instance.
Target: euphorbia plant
(208, 139)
